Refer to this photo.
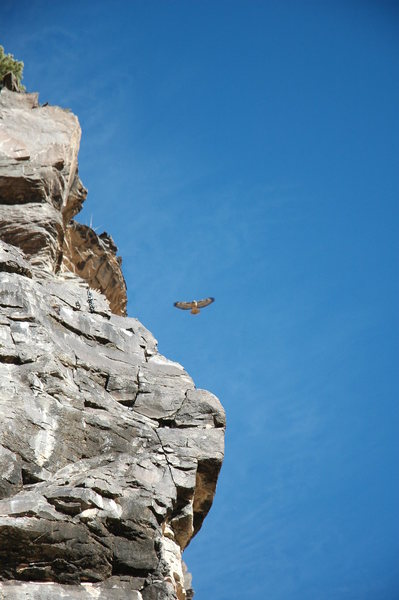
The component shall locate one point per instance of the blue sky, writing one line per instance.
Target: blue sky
(249, 150)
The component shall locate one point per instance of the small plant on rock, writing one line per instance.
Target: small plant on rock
(9, 64)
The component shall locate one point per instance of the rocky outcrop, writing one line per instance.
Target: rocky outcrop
(40, 192)
(93, 257)
(38, 176)
(109, 454)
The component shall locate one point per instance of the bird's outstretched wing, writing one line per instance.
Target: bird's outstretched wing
(184, 305)
(205, 302)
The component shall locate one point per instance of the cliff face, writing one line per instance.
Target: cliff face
(109, 455)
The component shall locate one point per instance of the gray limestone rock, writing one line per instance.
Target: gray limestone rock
(109, 455)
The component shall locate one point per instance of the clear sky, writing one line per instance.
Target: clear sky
(249, 151)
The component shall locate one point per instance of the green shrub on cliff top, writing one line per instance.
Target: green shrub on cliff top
(8, 63)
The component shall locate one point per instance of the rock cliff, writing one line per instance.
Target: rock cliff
(109, 455)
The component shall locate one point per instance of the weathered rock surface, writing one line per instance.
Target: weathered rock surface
(93, 258)
(40, 192)
(109, 455)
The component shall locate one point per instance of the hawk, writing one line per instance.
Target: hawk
(194, 305)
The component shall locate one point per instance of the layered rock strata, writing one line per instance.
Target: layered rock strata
(40, 192)
(109, 455)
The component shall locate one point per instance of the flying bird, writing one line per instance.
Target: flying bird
(194, 305)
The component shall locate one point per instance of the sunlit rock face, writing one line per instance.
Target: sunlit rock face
(39, 187)
(93, 257)
(40, 192)
(109, 455)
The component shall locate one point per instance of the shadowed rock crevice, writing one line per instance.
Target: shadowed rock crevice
(109, 455)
